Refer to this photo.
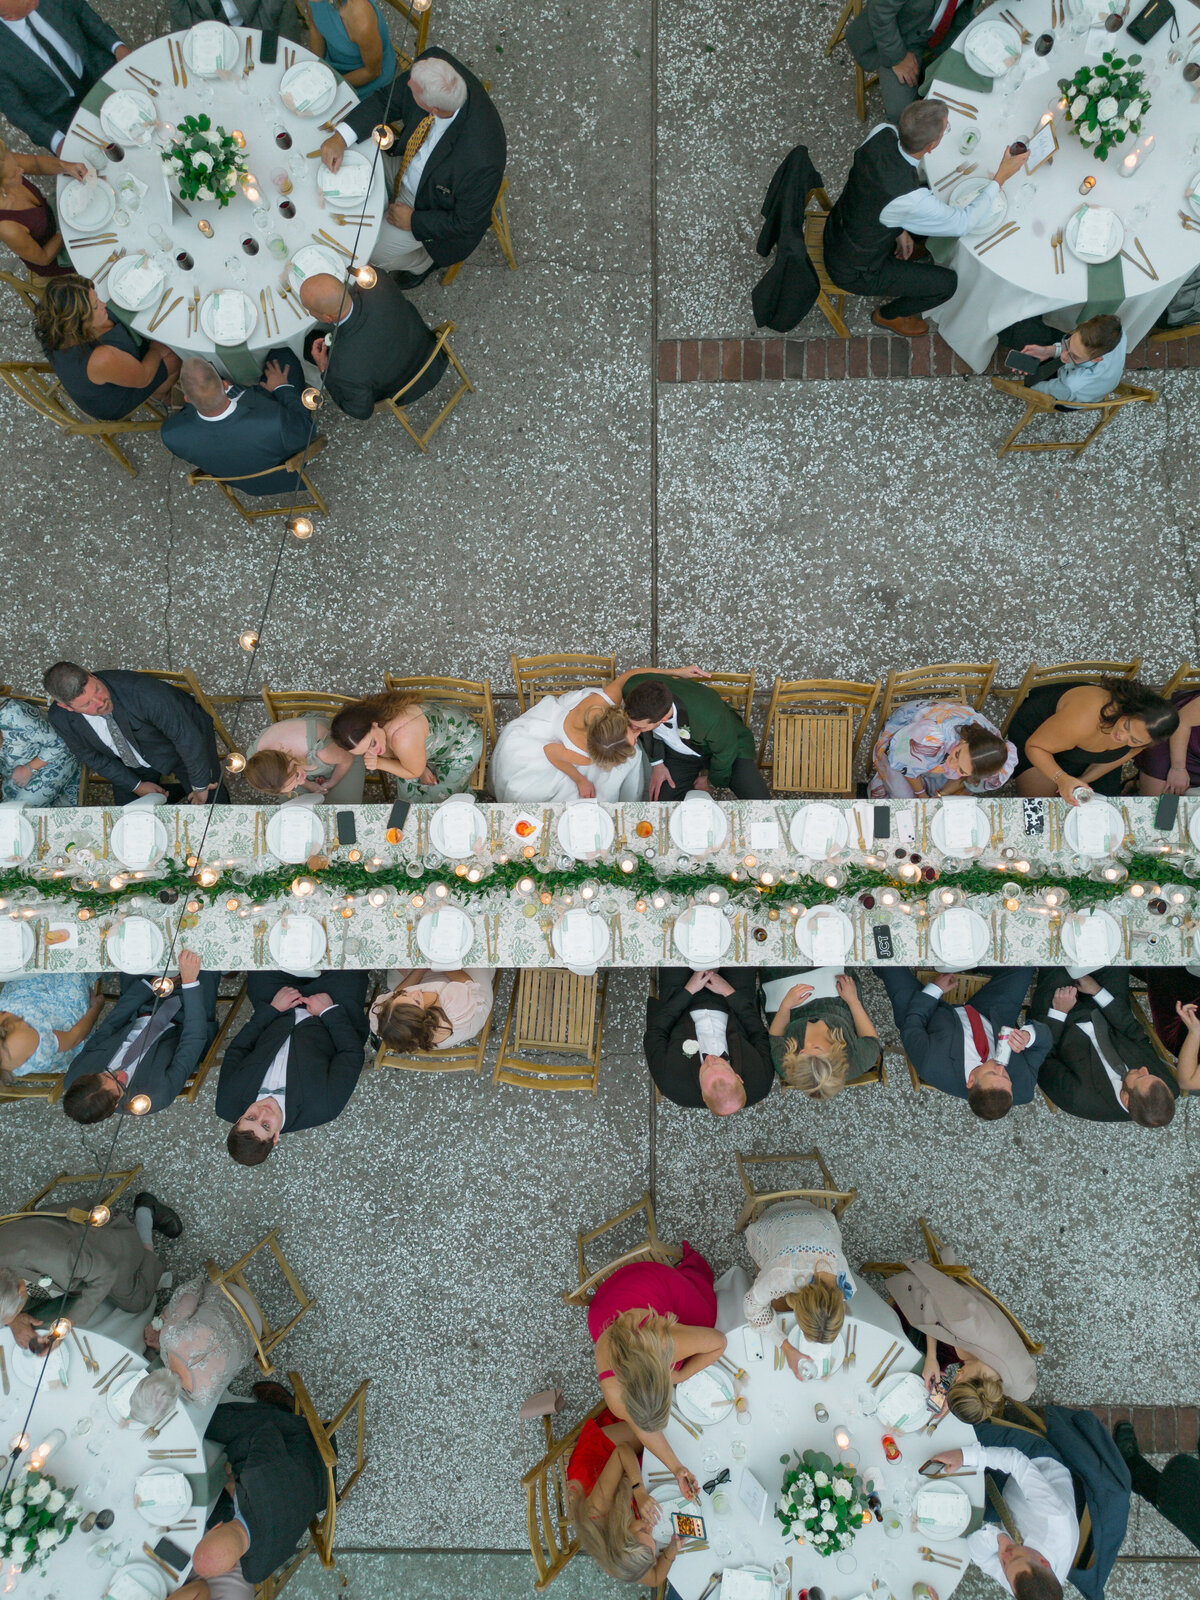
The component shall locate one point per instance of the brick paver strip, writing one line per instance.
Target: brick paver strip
(1161, 1430)
(873, 356)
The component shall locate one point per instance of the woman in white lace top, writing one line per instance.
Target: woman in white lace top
(204, 1339)
(797, 1248)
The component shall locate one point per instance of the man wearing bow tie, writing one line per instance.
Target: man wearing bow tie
(51, 53)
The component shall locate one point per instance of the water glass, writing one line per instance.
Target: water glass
(847, 1562)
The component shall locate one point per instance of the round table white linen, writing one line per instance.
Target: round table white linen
(1016, 279)
(231, 107)
(782, 1421)
(110, 1457)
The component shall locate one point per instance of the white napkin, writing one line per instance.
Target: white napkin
(1094, 235)
(956, 934)
(704, 936)
(80, 201)
(456, 825)
(582, 831)
(295, 943)
(306, 87)
(138, 838)
(1091, 829)
(696, 825)
(11, 945)
(351, 181)
(10, 831)
(443, 935)
(128, 1584)
(958, 823)
(127, 113)
(827, 940)
(577, 939)
(205, 47)
(227, 316)
(764, 835)
(1091, 941)
(137, 944)
(293, 833)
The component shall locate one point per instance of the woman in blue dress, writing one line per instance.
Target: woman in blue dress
(352, 37)
(35, 765)
(44, 1018)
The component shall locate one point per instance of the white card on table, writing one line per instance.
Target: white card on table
(457, 827)
(443, 938)
(205, 49)
(828, 940)
(1091, 829)
(295, 944)
(11, 944)
(958, 824)
(577, 939)
(10, 831)
(906, 827)
(351, 182)
(138, 837)
(228, 317)
(737, 1584)
(956, 934)
(752, 1495)
(814, 832)
(1094, 232)
(295, 828)
(581, 830)
(308, 86)
(1091, 941)
(695, 826)
(764, 834)
(1041, 147)
(704, 936)
(137, 944)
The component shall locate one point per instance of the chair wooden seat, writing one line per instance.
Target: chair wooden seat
(270, 1334)
(229, 1003)
(1039, 404)
(472, 696)
(862, 80)
(969, 682)
(830, 298)
(34, 383)
(27, 289)
(537, 676)
(465, 1057)
(736, 689)
(1063, 672)
(648, 1247)
(553, 1011)
(827, 1195)
(813, 731)
(114, 1184)
(1185, 680)
(499, 228)
(256, 509)
(418, 18)
(399, 407)
(552, 1542)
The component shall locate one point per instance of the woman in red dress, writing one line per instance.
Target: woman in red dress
(611, 1513)
(27, 224)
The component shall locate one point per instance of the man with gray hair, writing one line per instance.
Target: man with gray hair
(234, 432)
(886, 205)
(444, 168)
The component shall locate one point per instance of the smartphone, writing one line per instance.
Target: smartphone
(172, 1555)
(754, 1344)
(1018, 361)
(398, 815)
(932, 1469)
(883, 943)
(1166, 812)
(1034, 814)
(882, 826)
(687, 1526)
(347, 833)
(269, 48)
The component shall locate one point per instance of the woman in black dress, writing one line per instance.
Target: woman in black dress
(107, 370)
(1072, 734)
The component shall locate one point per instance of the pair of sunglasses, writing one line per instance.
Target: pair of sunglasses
(713, 1483)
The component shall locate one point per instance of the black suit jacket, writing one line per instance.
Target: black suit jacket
(788, 290)
(281, 1480)
(175, 1054)
(462, 177)
(324, 1062)
(1073, 1074)
(677, 1074)
(265, 14)
(378, 349)
(265, 428)
(31, 94)
(165, 726)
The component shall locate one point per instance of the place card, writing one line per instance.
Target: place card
(752, 1495)
(456, 825)
(1091, 941)
(294, 833)
(295, 943)
(704, 936)
(11, 945)
(1041, 147)
(827, 938)
(764, 834)
(958, 824)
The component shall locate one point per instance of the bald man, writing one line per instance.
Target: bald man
(374, 343)
(234, 432)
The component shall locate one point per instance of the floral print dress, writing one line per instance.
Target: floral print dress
(915, 741)
(26, 737)
(46, 1001)
(453, 747)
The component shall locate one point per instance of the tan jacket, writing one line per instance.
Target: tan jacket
(112, 1264)
(943, 1308)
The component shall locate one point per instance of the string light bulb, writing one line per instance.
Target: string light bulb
(384, 136)
(365, 276)
(139, 1105)
(235, 761)
(300, 527)
(163, 986)
(207, 876)
(61, 1327)
(248, 639)
(311, 397)
(99, 1216)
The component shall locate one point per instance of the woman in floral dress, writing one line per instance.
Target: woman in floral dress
(929, 747)
(430, 750)
(35, 765)
(44, 1018)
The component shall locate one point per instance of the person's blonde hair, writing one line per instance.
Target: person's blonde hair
(268, 770)
(642, 1356)
(819, 1310)
(607, 737)
(976, 1400)
(609, 1538)
(63, 318)
(819, 1077)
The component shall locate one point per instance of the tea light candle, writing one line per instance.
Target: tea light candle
(841, 1437)
(239, 138)
(39, 1456)
(206, 228)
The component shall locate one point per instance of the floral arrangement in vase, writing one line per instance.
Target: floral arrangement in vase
(822, 1502)
(35, 1517)
(1106, 102)
(205, 162)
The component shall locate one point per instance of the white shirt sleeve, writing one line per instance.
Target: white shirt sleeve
(923, 212)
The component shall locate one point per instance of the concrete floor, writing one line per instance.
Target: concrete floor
(833, 529)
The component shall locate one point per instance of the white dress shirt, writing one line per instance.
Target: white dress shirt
(712, 1032)
(1040, 1496)
(415, 170)
(670, 735)
(127, 1058)
(230, 407)
(28, 34)
(1086, 380)
(274, 1084)
(1102, 998)
(921, 211)
(100, 727)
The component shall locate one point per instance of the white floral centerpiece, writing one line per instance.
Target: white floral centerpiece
(204, 162)
(1106, 102)
(821, 1501)
(35, 1517)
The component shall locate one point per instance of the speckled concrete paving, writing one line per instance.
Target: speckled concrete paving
(823, 528)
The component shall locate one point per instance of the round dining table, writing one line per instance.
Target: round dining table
(250, 103)
(783, 1422)
(99, 1462)
(1018, 277)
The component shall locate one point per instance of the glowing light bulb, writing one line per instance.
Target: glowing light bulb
(353, 855)
(525, 885)
(417, 901)
(300, 527)
(377, 897)
(61, 1327)
(248, 639)
(139, 1105)
(440, 891)
(235, 761)
(311, 398)
(232, 903)
(207, 876)
(365, 276)
(474, 874)
(117, 881)
(84, 914)
(99, 1216)
(163, 986)
(384, 136)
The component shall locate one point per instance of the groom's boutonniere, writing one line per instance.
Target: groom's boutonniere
(685, 733)
(691, 1047)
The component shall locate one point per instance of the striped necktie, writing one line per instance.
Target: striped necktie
(1000, 1507)
(416, 139)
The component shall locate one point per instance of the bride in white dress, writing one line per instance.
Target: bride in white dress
(580, 745)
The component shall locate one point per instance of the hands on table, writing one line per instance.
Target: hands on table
(332, 151)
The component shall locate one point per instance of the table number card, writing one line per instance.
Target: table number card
(753, 1496)
(1041, 147)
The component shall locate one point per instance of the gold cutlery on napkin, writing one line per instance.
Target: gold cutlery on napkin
(999, 238)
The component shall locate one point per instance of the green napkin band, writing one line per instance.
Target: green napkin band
(96, 96)
(951, 67)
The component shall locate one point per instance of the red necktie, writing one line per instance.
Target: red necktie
(943, 27)
(978, 1033)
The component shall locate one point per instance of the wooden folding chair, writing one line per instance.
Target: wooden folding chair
(813, 730)
(321, 1529)
(1065, 672)
(120, 1181)
(553, 1012)
(34, 383)
(830, 298)
(473, 696)
(736, 689)
(648, 1248)
(552, 1542)
(862, 80)
(538, 676)
(829, 1196)
(270, 1334)
(969, 682)
(499, 228)
(1039, 404)
(395, 402)
(466, 1057)
(230, 1003)
(92, 787)
(1168, 335)
(27, 289)
(284, 704)
(1185, 680)
(418, 17)
(955, 1269)
(256, 508)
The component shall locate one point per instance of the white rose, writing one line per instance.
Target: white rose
(1135, 110)
(1088, 135)
(842, 1489)
(1122, 123)
(73, 1511)
(205, 193)
(14, 1518)
(829, 1521)
(56, 1501)
(1095, 85)
(48, 1538)
(1108, 108)
(820, 1479)
(201, 158)
(1078, 106)
(690, 1047)
(18, 1492)
(39, 1492)
(825, 1504)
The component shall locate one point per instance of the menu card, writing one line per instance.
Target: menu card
(827, 938)
(140, 281)
(295, 944)
(443, 938)
(582, 830)
(1092, 829)
(1091, 941)
(751, 1584)
(704, 936)
(132, 1583)
(696, 824)
(958, 824)
(752, 1495)
(815, 831)
(577, 939)
(126, 112)
(293, 830)
(1094, 234)
(351, 181)
(206, 47)
(227, 317)
(12, 953)
(456, 825)
(137, 944)
(306, 87)
(1041, 147)
(139, 835)
(764, 834)
(956, 934)
(996, 51)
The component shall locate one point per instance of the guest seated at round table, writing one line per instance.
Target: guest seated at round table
(45, 1018)
(35, 765)
(797, 1248)
(424, 1010)
(934, 747)
(653, 1325)
(107, 370)
(430, 749)
(298, 755)
(203, 1340)
(1174, 767)
(352, 37)
(27, 224)
(611, 1513)
(819, 1044)
(1080, 366)
(1072, 734)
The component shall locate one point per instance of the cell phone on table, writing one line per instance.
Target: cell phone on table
(687, 1526)
(1033, 813)
(882, 824)
(269, 48)
(398, 816)
(1165, 812)
(1018, 361)
(347, 833)
(932, 1469)
(883, 943)
(172, 1555)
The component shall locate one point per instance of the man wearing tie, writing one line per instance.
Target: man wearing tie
(265, 14)
(51, 53)
(891, 37)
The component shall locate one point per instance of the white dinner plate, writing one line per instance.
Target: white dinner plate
(444, 937)
(17, 837)
(585, 829)
(206, 315)
(136, 946)
(992, 48)
(176, 1491)
(138, 1580)
(953, 1510)
(456, 827)
(315, 101)
(1116, 236)
(227, 48)
(128, 116)
(19, 943)
(314, 258)
(818, 830)
(331, 184)
(903, 1403)
(963, 193)
(1193, 826)
(711, 916)
(592, 933)
(133, 297)
(138, 838)
(818, 944)
(960, 818)
(698, 825)
(119, 1396)
(1102, 955)
(87, 207)
(297, 945)
(706, 1397)
(959, 937)
(28, 1367)
(295, 832)
(1093, 829)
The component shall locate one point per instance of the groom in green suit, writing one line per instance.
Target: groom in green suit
(693, 739)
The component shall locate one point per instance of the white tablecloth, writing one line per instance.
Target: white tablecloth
(782, 1421)
(1016, 279)
(100, 1467)
(252, 105)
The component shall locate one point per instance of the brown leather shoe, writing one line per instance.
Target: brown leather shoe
(906, 327)
(273, 1394)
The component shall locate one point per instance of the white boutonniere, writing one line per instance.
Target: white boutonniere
(156, 1323)
(691, 1047)
(45, 1283)
(685, 733)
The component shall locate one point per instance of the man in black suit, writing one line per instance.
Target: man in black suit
(144, 1046)
(296, 1062)
(1102, 1065)
(959, 1049)
(276, 1484)
(232, 432)
(705, 1041)
(51, 53)
(279, 15)
(376, 343)
(445, 167)
(135, 731)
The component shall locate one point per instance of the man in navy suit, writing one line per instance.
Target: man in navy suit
(233, 432)
(51, 53)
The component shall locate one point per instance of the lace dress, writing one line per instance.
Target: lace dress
(203, 1333)
(789, 1243)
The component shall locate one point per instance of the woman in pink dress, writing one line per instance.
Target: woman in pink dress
(653, 1326)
